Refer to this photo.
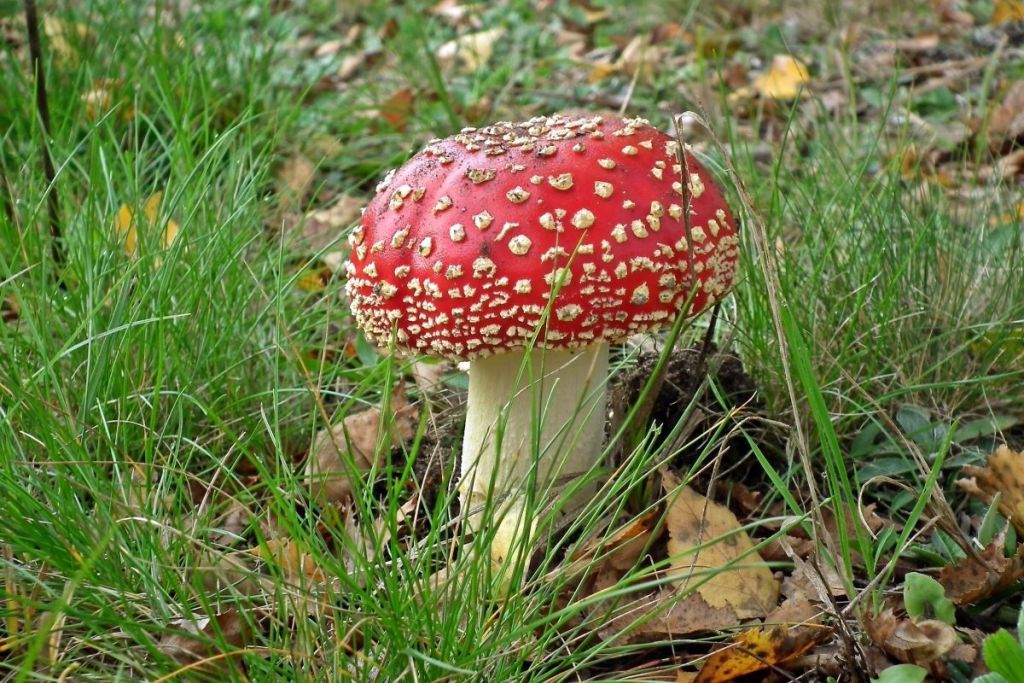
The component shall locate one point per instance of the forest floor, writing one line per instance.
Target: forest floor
(178, 363)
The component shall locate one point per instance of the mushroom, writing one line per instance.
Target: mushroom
(526, 249)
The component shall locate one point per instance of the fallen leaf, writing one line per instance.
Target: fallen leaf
(204, 638)
(651, 616)
(976, 578)
(619, 551)
(429, 376)
(294, 178)
(783, 80)
(640, 55)
(397, 109)
(127, 227)
(10, 309)
(1011, 165)
(923, 643)
(314, 279)
(1006, 11)
(1008, 118)
(328, 49)
(789, 632)
(323, 227)
(64, 36)
(296, 565)
(711, 553)
(341, 453)
(950, 13)
(1003, 474)
(472, 50)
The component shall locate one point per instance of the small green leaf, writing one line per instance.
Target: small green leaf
(991, 523)
(925, 598)
(1004, 655)
(902, 673)
(990, 678)
(969, 431)
(1020, 625)
(913, 419)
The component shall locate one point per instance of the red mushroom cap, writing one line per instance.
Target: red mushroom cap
(460, 250)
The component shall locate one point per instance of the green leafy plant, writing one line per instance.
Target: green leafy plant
(901, 673)
(1004, 656)
(925, 598)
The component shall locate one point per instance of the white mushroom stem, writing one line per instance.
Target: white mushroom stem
(534, 424)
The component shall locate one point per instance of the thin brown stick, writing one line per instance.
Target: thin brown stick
(43, 109)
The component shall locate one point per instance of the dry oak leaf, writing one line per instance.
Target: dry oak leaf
(1004, 474)
(976, 578)
(127, 227)
(923, 643)
(788, 633)
(783, 79)
(712, 555)
(341, 453)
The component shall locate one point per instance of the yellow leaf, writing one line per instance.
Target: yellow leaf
(313, 281)
(783, 80)
(711, 552)
(127, 227)
(124, 223)
(782, 640)
(64, 36)
(296, 565)
(1007, 11)
(152, 206)
(472, 49)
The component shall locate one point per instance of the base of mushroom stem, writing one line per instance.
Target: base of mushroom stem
(534, 424)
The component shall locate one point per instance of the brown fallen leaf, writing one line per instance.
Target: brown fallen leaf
(322, 227)
(949, 12)
(202, 639)
(341, 453)
(711, 554)
(619, 551)
(1011, 165)
(429, 376)
(1007, 120)
(397, 108)
(10, 309)
(658, 615)
(294, 178)
(923, 643)
(126, 225)
(1003, 474)
(976, 578)
(790, 631)
(296, 565)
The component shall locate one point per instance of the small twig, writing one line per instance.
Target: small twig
(43, 109)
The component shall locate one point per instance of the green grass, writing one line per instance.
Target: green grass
(153, 411)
